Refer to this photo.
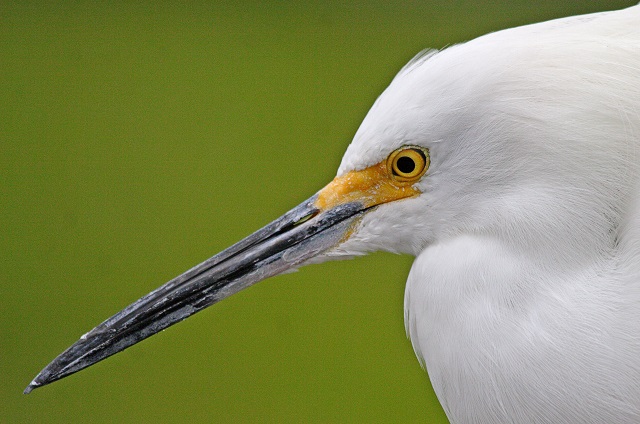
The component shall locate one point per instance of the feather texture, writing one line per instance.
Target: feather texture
(524, 299)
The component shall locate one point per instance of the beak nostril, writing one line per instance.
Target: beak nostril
(306, 218)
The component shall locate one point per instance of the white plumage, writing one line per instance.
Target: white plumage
(510, 167)
(524, 299)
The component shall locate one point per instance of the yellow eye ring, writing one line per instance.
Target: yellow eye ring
(408, 164)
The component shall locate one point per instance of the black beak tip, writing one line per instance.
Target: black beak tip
(31, 386)
(42, 379)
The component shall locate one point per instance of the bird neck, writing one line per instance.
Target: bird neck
(486, 318)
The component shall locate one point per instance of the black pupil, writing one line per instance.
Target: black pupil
(406, 165)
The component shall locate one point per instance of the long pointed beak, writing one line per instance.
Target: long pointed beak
(315, 226)
(287, 242)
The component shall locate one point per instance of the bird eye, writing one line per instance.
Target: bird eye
(408, 164)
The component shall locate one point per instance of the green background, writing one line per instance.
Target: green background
(138, 139)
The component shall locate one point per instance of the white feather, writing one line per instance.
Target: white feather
(524, 299)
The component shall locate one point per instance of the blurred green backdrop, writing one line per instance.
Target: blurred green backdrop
(138, 139)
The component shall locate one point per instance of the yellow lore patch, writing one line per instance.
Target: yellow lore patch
(377, 184)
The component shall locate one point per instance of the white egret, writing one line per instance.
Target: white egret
(510, 167)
